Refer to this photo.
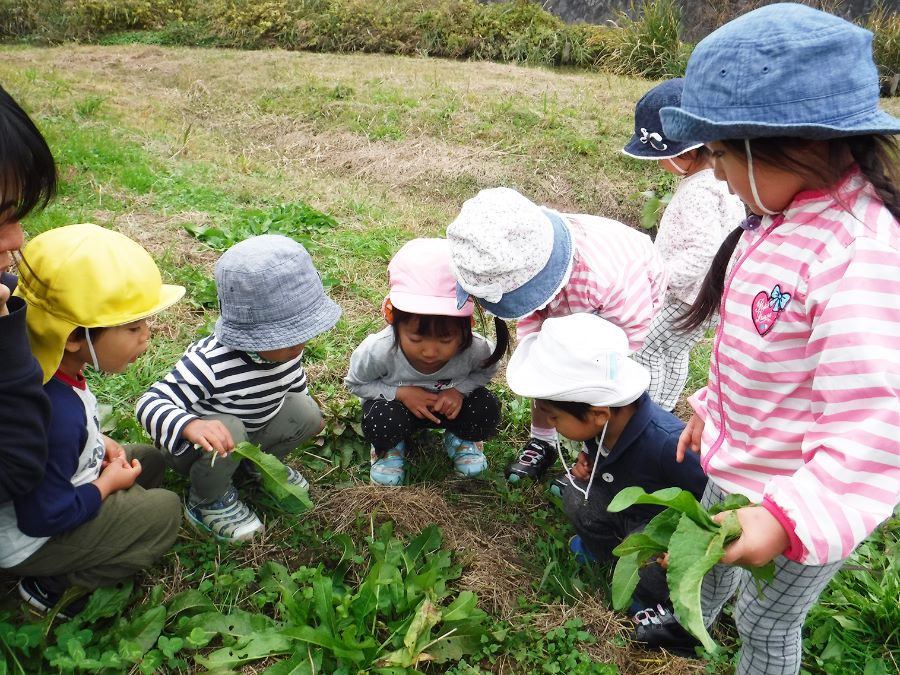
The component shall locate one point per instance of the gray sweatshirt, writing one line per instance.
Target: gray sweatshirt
(377, 369)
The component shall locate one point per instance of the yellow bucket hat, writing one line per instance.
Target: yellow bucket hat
(86, 276)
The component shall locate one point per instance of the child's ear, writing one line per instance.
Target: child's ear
(387, 310)
(75, 340)
(599, 415)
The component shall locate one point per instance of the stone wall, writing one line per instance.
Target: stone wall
(699, 17)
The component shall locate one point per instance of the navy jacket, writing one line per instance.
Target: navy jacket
(644, 455)
(24, 407)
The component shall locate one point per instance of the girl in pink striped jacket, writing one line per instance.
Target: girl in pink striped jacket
(802, 410)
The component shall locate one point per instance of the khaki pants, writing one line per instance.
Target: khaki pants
(130, 532)
(298, 420)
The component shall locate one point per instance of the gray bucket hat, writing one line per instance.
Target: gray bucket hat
(270, 295)
(780, 70)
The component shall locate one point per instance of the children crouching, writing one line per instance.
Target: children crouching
(427, 369)
(243, 383)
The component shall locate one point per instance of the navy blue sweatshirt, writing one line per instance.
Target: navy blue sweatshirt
(24, 407)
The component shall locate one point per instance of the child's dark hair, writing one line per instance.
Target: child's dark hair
(27, 169)
(574, 408)
(876, 156)
(437, 325)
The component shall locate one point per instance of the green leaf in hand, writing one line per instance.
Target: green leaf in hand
(274, 476)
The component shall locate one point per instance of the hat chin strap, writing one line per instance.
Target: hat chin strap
(593, 468)
(677, 167)
(759, 204)
(94, 361)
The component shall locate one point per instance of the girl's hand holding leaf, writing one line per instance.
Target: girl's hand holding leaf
(762, 538)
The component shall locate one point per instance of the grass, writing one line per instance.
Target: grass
(189, 150)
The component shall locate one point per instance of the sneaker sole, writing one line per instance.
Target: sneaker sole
(390, 483)
(201, 527)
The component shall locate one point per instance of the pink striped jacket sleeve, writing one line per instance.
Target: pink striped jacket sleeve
(803, 403)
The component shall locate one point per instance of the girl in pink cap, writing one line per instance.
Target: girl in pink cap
(427, 368)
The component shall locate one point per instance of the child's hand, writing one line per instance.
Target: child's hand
(4, 297)
(114, 452)
(418, 401)
(690, 438)
(449, 403)
(762, 539)
(117, 475)
(582, 467)
(211, 435)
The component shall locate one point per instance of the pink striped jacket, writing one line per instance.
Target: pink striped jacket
(802, 409)
(617, 274)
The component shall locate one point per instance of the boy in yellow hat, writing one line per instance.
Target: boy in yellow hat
(97, 516)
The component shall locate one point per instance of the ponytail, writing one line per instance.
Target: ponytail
(502, 333)
(877, 159)
(710, 295)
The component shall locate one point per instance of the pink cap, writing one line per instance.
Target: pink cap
(421, 281)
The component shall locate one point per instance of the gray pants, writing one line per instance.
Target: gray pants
(130, 532)
(769, 626)
(298, 420)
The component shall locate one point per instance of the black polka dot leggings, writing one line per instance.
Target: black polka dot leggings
(386, 423)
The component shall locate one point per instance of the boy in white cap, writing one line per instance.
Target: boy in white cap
(97, 517)
(578, 371)
(245, 382)
(528, 263)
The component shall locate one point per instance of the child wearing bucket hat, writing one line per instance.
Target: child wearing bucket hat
(577, 369)
(245, 382)
(528, 263)
(693, 225)
(427, 368)
(98, 515)
(802, 410)
(27, 181)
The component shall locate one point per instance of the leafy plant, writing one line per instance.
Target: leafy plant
(694, 541)
(274, 478)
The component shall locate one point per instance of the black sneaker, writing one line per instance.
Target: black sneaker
(657, 628)
(558, 485)
(44, 599)
(535, 458)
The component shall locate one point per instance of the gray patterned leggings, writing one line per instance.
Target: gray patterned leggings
(770, 625)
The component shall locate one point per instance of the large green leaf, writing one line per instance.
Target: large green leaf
(106, 601)
(274, 477)
(693, 550)
(257, 646)
(673, 498)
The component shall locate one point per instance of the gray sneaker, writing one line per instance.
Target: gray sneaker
(294, 477)
(227, 517)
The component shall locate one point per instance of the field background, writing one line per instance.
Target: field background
(189, 150)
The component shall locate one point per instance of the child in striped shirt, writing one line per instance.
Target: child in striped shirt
(528, 263)
(802, 410)
(245, 382)
(696, 220)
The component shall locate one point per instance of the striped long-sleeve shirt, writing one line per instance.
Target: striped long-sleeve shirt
(616, 274)
(802, 410)
(214, 379)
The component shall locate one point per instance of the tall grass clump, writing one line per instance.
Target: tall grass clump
(647, 42)
(884, 22)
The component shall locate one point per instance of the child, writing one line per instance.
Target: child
(695, 222)
(578, 371)
(802, 410)
(427, 368)
(27, 181)
(245, 382)
(96, 517)
(528, 263)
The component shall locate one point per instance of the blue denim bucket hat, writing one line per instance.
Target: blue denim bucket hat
(649, 141)
(270, 295)
(780, 70)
